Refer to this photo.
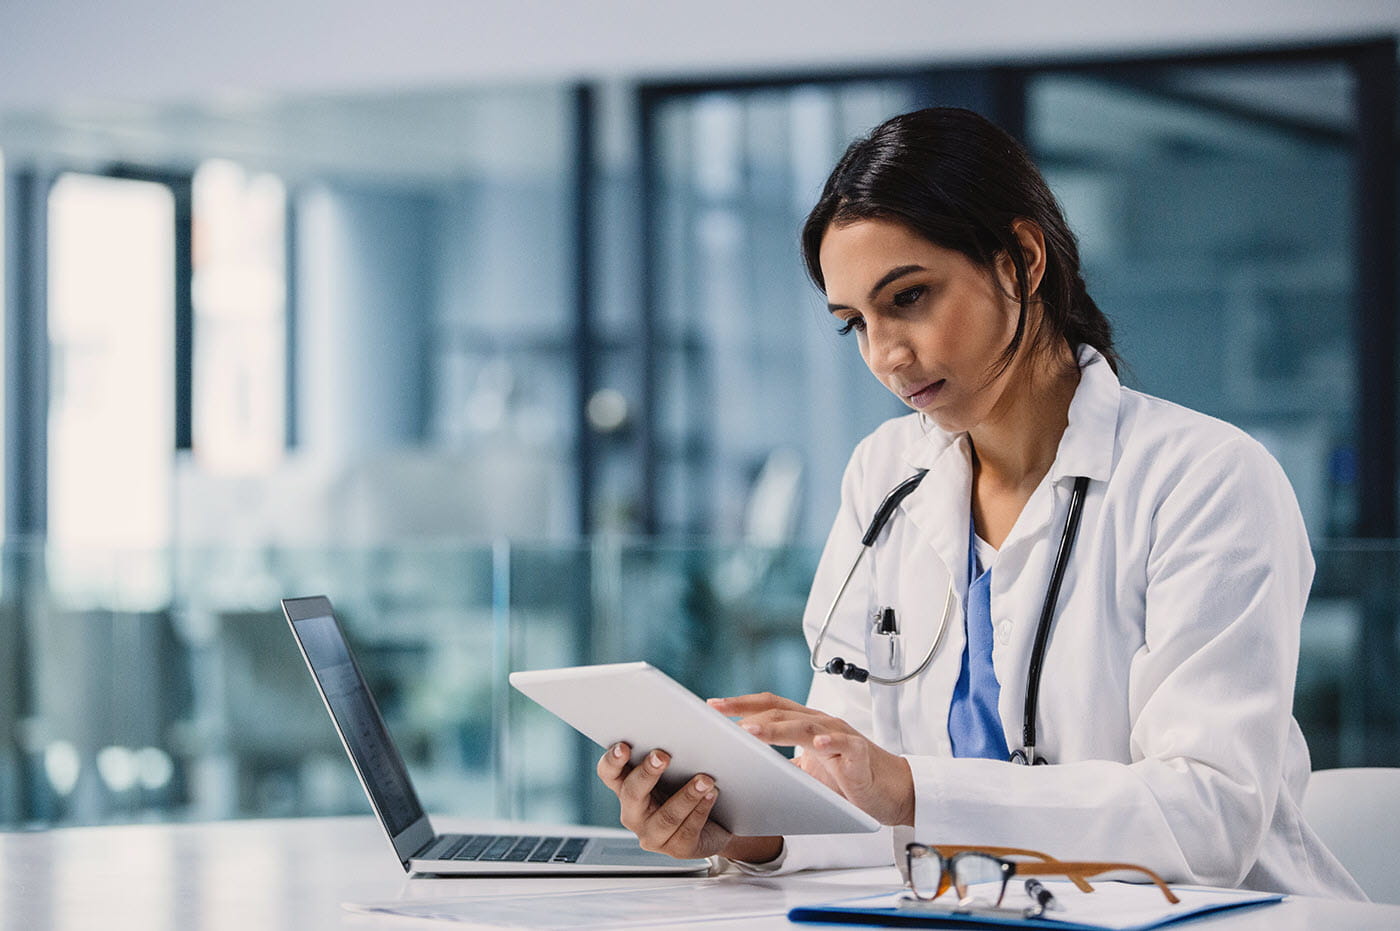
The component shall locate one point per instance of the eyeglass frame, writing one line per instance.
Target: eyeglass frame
(1075, 871)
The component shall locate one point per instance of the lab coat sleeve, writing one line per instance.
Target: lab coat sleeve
(836, 696)
(1228, 569)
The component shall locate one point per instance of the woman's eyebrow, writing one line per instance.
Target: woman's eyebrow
(899, 271)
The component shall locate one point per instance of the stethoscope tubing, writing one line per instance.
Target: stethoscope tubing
(877, 523)
(1026, 753)
(1047, 615)
(880, 680)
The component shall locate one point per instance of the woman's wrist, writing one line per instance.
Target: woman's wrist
(753, 849)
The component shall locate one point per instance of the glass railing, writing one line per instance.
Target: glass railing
(194, 704)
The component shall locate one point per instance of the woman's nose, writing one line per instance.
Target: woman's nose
(887, 347)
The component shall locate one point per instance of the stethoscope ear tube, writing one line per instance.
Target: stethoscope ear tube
(886, 508)
(1042, 631)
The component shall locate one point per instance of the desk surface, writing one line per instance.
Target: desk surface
(295, 874)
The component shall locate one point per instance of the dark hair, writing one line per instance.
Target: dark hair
(961, 182)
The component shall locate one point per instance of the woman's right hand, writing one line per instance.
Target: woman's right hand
(680, 826)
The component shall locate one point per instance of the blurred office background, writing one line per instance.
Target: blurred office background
(488, 322)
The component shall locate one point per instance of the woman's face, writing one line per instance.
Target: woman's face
(931, 325)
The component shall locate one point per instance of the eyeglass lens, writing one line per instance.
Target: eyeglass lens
(979, 876)
(926, 875)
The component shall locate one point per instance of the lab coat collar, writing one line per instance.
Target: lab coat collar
(1086, 448)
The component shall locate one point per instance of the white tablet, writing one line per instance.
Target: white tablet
(760, 791)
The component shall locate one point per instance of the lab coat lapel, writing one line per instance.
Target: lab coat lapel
(941, 507)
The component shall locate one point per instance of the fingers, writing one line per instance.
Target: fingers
(675, 827)
(778, 720)
(847, 758)
(678, 825)
(743, 705)
(612, 765)
(635, 792)
(833, 744)
(688, 834)
(799, 728)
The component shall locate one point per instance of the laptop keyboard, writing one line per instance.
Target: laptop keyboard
(506, 848)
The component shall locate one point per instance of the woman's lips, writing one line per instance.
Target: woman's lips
(923, 397)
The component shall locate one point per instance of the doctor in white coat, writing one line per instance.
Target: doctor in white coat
(1164, 707)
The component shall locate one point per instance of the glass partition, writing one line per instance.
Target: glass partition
(202, 708)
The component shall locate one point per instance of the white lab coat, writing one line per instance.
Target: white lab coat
(1166, 699)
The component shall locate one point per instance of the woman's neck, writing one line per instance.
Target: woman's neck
(1015, 447)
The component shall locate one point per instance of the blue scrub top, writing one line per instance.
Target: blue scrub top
(974, 725)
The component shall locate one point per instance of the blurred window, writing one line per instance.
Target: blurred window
(1214, 211)
(749, 364)
(111, 381)
(4, 299)
(240, 319)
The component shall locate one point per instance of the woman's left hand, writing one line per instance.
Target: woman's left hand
(875, 780)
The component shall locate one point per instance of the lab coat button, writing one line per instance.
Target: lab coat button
(1004, 631)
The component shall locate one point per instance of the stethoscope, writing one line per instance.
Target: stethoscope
(886, 624)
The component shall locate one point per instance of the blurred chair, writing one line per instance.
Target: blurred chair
(1356, 812)
(755, 597)
(770, 524)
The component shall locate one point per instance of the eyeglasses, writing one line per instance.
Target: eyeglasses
(931, 875)
(934, 869)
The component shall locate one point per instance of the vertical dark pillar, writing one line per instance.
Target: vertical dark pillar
(1375, 275)
(26, 356)
(579, 573)
(289, 275)
(182, 190)
(26, 446)
(1377, 740)
(585, 349)
(647, 328)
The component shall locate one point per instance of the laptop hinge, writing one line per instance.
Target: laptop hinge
(423, 853)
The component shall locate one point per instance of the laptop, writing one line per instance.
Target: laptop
(385, 779)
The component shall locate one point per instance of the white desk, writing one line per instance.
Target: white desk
(294, 875)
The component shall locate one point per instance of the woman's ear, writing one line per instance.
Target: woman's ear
(1032, 241)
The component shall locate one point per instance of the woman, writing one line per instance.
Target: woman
(1166, 701)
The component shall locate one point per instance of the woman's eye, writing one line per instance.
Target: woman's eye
(854, 323)
(908, 296)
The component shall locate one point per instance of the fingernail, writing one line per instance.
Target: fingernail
(710, 797)
(656, 761)
(702, 785)
(751, 728)
(617, 751)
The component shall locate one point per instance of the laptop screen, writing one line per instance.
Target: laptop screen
(357, 717)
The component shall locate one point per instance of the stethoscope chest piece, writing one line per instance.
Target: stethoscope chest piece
(1025, 756)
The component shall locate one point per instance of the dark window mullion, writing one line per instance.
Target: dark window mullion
(1376, 302)
(182, 189)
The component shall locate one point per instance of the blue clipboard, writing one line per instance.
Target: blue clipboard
(946, 915)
